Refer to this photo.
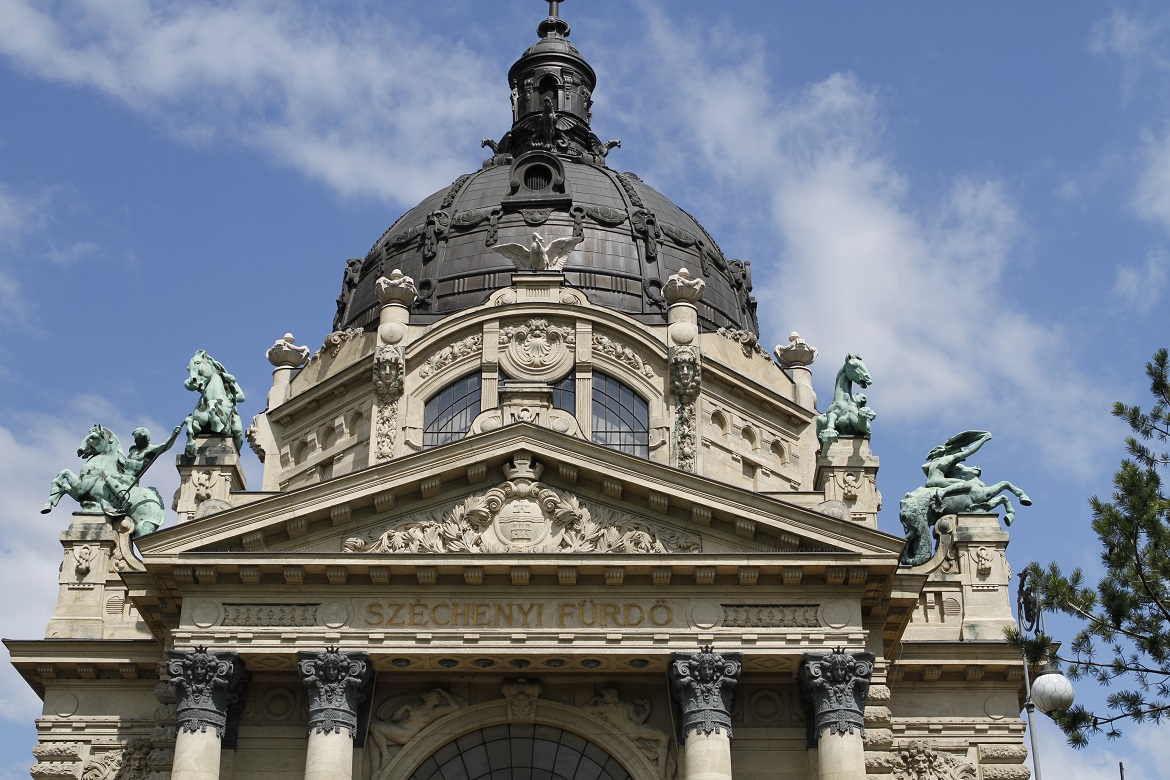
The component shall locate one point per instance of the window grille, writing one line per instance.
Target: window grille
(621, 418)
(520, 751)
(448, 414)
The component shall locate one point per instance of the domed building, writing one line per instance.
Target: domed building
(540, 508)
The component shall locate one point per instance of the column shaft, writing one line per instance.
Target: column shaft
(210, 690)
(337, 683)
(330, 756)
(708, 757)
(196, 756)
(703, 685)
(834, 687)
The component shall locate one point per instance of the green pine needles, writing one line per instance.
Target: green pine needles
(1125, 641)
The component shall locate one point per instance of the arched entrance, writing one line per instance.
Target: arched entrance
(516, 751)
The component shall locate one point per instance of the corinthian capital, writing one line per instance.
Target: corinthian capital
(210, 687)
(834, 687)
(337, 683)
(703, 684)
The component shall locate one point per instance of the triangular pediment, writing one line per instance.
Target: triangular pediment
(520, 490)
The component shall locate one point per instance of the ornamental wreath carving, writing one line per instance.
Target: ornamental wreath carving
(211, 688)
(703, 684)
(917, 760)
(537, 350)
(471, 345)
(524, 515)
(834, 686)
(336, 683)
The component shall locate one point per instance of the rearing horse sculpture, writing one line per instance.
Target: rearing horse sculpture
(219, 394)
(951, 489)
(107, 485)
(848, 414)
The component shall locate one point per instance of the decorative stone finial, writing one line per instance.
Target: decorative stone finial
(797, 352)
(337, 683)
(286, 354)
(703, 684)
(835, 685)
(399, 288)
(683, 288)
(211, 688)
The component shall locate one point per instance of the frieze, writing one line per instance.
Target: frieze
(623, 354)
(771, 615)
(291, 615)
(55, 769)
(470, 345)
(57, 750)
(523, 515)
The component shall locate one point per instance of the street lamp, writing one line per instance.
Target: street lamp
(1051, 691)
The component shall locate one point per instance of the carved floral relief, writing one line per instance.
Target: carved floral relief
(524, 515)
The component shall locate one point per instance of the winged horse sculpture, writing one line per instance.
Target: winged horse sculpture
(538, 255)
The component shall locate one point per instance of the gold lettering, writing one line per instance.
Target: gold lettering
(660, 614)
(609, 615)
(504, 613)
(435, 617)
(481, 614)
(592, 615)
(375, 617)
(539, 615)
(631, 619)
(393, 616)
(459, 612)
(525, 612)
(418, 615)
(566, 611)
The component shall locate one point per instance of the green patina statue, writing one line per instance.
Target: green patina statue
(951, 488)
(848, 414)
(219, 393)
(108, 482)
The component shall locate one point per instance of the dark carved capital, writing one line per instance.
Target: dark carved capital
(703, 685)
(834, 687)
(337, 683)
(211, 688)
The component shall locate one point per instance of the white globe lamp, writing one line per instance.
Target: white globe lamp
(1052, 691)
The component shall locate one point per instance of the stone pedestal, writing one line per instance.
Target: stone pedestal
(834, 687)
(847, 472)
(337, 684)
(703, 685)
(210, 688)
(207, 478)
(88, 582)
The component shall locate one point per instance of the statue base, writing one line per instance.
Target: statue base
(847, 472)
(208, 478)
(92, 601)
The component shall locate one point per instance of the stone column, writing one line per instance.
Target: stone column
(211, 688)
(834, 687)
(337, 683)
(703, 685)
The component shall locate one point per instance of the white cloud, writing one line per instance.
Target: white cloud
(1143, 748)
(1140, 287)
(918, 282)
(367, 105)
(33, 448)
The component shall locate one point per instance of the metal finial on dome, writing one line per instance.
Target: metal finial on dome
(554, 26)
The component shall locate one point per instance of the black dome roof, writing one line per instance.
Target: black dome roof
(549, 174)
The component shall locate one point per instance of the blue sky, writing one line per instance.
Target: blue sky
(975, 197)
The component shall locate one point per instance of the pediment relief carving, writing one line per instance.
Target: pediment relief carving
(537, 350)
(523, 514)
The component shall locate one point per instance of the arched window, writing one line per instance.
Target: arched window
(448, 414)
(520, 751)
(621, 418)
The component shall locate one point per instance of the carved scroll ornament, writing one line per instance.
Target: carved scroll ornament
(835, 686)
(211, 688)
(336, 683)
(704, 686)
(537, 350)
(524, 515)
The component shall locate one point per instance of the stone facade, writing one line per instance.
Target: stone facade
(704, 597)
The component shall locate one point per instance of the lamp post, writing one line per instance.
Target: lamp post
(1051, 690)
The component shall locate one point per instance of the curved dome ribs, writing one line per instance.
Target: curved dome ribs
(549, 173)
